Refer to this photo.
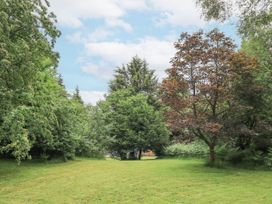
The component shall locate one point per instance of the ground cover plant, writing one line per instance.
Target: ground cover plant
(145, 181)
(193, 149)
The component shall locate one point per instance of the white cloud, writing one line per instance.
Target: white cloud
(99, 34)
(90, 68)
(92, 97)
(132, 4)
(113, 22)
(103, 69)
(72, 13)
(178, 12)
(75, 37)
(157, 53)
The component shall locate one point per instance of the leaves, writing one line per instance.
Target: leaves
(135, 125)
(36, 116)
(135, 75)
(198, 86)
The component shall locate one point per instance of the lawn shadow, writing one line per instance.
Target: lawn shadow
(8, 168)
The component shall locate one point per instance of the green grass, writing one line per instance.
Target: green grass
(147, 181)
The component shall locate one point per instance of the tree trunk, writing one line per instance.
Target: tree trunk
(212, 154)
(140, 154)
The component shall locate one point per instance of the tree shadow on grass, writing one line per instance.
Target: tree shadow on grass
(8, 169)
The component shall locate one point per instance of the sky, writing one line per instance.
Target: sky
(100, 35)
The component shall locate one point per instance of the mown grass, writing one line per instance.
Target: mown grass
(147, 181)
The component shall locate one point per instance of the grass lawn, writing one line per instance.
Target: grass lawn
(147, 181)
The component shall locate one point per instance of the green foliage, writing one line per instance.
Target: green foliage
(135, 125)
(254, 16)
(76, 96)
(256, 48)
(248, 157)
(215, 9)
(268, 159)
(14, 135)
(39, 119)
(139, 78)
(27, 36)
(193, 149)
(96, 140)
(136, 76)
(37, 116)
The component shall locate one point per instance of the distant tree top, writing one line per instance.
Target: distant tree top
(135, 75)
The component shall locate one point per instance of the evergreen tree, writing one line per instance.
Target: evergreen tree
(136, 75)
(76, 96)
(135, 125)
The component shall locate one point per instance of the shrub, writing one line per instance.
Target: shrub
(223, 152)
(193, 149)
(89, 148)
(236, 157)
(268, 159)
(226, 153)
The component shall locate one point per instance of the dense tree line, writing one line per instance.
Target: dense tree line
(213, 92)
(38, 118)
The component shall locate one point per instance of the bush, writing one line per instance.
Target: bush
(193, 149)
(268, 159)
(89, 148)
(226, 153)
(223, 152)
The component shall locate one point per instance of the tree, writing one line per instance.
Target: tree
(76, 96)
(254, 25)
(97, 140)
(254, 18)
(37, 118)
(28, 34)
(254, 15)
(135, 125)
(197, 88)
(254, 48)
(247, 119)
(135, 75)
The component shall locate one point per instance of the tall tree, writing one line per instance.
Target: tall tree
(197, 88)
(136, 75)
(135, 125)
(263, 76)
(97, 140)
(255, 27)
(76, 96)
(27, 37)
(248, 121)
(254, 17)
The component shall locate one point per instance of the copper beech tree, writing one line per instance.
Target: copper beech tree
(198, 86)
